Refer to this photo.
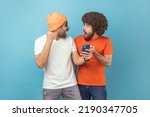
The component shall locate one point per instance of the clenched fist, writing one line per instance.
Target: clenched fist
(51, 36)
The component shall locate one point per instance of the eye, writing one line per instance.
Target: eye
(66, 24)
(87, 25)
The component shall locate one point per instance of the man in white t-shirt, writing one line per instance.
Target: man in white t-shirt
(55, 52)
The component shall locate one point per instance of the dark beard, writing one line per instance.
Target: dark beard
(89, 36)
(62, 35)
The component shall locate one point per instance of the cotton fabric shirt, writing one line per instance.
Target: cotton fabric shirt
(58, 72)
(92, 73)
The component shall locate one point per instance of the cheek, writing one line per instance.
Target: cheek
(62, 30)
(89, 30)
(86, 30)
(65, 29)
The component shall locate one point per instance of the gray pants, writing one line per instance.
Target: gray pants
(69, 93)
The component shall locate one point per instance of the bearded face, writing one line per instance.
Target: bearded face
(62, 30)
(88, 32)
(88, 35)
(62, 33)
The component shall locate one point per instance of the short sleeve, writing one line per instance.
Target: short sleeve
(39, 45)
(108, 48)
(73, 46)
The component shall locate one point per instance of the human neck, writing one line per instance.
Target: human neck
(57, 38)
(95, 36)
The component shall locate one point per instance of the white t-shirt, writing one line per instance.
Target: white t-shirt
(58, 72)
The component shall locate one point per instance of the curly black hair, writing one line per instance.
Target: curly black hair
(97, 20)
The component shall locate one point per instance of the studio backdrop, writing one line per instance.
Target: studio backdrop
(22, 21)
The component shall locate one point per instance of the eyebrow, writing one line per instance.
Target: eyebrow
(66, 24)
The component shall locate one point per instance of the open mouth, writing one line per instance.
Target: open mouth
(85, 34)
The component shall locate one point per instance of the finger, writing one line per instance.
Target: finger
(88, 50)
(83, 55)
(87, 59)
(91, 46)
(85, 52)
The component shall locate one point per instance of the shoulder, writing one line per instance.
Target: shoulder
(80, 37)
(68, 37)
(105, 39)
(41, 39)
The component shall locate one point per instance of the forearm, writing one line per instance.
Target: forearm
(42, 58)
(102, 59)
(82, 58)
(79, 60)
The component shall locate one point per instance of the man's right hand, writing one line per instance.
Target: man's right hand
(51, 36)
(86, 55)
(42, 58)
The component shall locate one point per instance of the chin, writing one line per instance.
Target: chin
(63, 36)
(87, 39)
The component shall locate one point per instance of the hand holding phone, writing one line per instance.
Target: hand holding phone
(85, 46)
(85, 53)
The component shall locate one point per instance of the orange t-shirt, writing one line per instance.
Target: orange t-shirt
(92, 73)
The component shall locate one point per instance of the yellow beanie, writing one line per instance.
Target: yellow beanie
(55, 21)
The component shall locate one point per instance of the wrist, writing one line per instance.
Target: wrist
(94, 52)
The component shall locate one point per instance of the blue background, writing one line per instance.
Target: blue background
(22, 21)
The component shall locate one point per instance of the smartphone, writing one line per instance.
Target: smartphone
(85, 46)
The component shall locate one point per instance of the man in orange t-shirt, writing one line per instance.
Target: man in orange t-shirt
(91, 75)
